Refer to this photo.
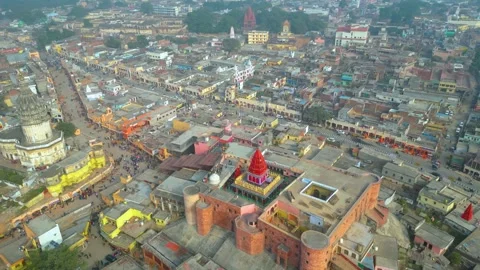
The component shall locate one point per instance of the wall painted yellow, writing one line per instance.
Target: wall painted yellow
(443, 207)
(73, 176)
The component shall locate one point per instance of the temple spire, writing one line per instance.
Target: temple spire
(468, 214)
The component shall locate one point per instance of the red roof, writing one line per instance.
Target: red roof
(468, 214)
(258, 165)
(349, 28)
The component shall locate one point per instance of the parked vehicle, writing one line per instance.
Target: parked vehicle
(110, 258)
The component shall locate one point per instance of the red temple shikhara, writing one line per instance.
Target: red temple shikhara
(249, 21)
(468, 214)
(258, 171)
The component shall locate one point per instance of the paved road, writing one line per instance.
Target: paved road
(72, 110)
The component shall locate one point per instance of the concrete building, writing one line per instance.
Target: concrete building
(257, 37)
(44, 232)
(72, 170)
(171, 11)
(441, 197)
(351, 35)
(406, 175)
(34, 142)
(469, 249)
(433, 239)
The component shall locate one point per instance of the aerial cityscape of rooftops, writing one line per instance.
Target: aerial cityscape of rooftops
(239, 135)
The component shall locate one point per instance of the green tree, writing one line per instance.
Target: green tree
(200, 21)
(146, 7)
(46, 36)
(105, 4)
(78, 12)
(455, 258)
(315, 114)
(55, 259)
(141, 42)
(120, 4)
(112, 42)
(87, 23)
(475, 66)
(230, 45)
(342, 4)
(67, 128)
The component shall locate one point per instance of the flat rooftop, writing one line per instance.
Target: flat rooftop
(434, 236)
(41, 224)
(124, 263)
(323, 195)
(11, 251)
(471, 246)
(179, 244)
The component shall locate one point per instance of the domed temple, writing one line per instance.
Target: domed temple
(258, 182)
(33, 143)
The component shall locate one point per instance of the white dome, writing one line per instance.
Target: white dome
(214, 179)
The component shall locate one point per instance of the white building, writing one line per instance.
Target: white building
(93, 93)
(171, 11)
(157, 55)
(44, 231)
(351, 35)
(113, 89)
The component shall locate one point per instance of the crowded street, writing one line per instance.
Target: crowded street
(128, 161)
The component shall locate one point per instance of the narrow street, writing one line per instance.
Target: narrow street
(96, 248)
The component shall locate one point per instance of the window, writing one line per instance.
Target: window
(345, 252)
(306, 262)
(354, 255)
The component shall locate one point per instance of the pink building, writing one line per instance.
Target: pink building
(432, 238)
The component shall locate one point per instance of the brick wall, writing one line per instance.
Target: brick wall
(252, 243)
(204, 219)
(225, 213)
(274, 237)
(314, 259)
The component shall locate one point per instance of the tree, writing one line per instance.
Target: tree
(46, 36)
(141, 42)
(342, 4)
(105, 4)
(87, 23)
(55, 259)
(146, 7)
(120, 4)
(316, 114)
(67, 128)
(200, 21)
(230, 45)
(455, 258)
(475, 66)
(112, 42)
(78, 12)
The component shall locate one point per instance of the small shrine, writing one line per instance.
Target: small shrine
(257, 182)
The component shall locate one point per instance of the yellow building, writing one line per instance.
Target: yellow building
(441, 197)
(282, 46)
(122, 224)
(437, 202)
(447, 86)
(257, 37)
(74, 169)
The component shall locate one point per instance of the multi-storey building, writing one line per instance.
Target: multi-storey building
(34, 142)
(351, 35)
(257, 37)
(305, 227)
(172, 11)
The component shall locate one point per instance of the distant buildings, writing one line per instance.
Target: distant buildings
(249, 21)
(34, 142)
(351, 35)
(257, 37)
